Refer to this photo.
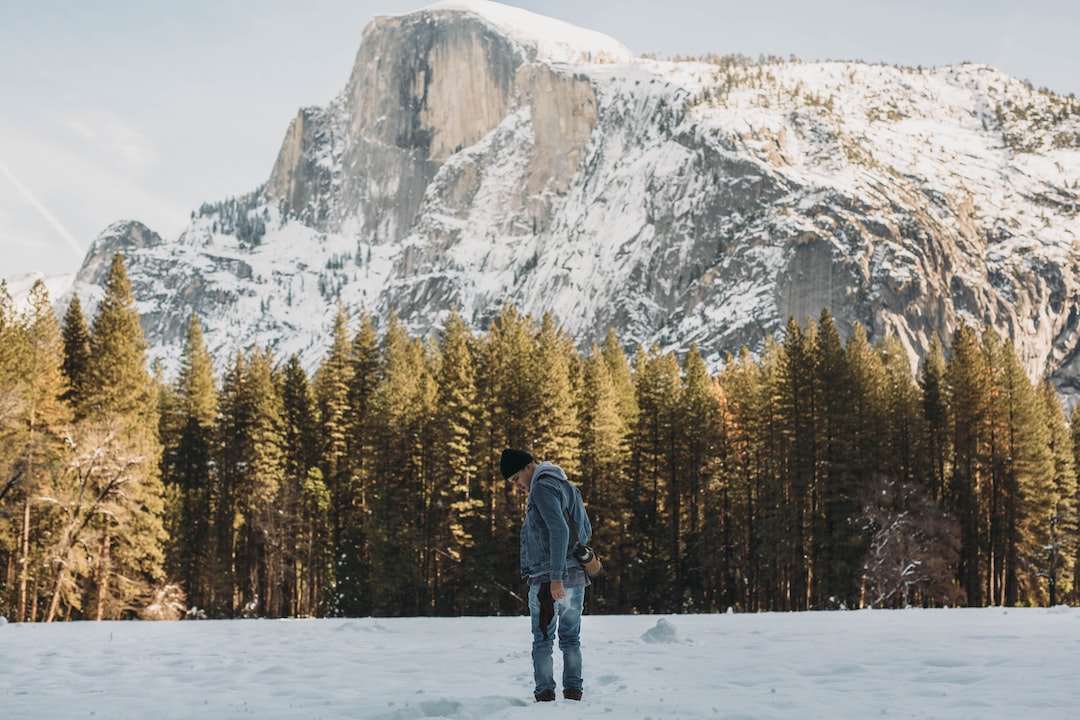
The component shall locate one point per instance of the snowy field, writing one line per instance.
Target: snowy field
(983, 663)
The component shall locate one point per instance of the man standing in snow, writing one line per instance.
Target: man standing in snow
(557, 580)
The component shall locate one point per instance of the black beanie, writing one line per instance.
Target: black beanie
(512, 461)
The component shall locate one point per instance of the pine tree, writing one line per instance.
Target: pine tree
(622, 378)
(41, 368)
(234, 419)
(699, 436)
(118, 384)
(332, 395)
(1026, 501)
(998, 488)
(76, 337)
(1061, 526)
(188, 436)
(656, 487)
(867, 414)
(829, 404)
(314, 547)
(460, 558)
(932, 384)
(250, 511)
(120, 395)
(604, 462)
(555, 424)
(904, 447)
(742, 496)
(864, 445)
(622, 381)
(342, 456)
(309, 549)
(774, 538)
(968, 395)
(798, 412)
(401, 409)
(366, 363)
(42, 417)
(719, 549)
(261, 503)
(511, 380)
(353, 554)
(1074, 436)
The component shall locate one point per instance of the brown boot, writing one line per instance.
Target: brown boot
(572, 693)
(546, 696)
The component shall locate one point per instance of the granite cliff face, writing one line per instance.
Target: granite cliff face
(480, 154)
(425, 87)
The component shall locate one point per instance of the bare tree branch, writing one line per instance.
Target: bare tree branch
(11, 483)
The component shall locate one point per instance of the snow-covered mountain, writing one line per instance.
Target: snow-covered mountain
(481, 154)
(19, 287)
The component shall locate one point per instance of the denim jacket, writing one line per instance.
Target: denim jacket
(551, 497)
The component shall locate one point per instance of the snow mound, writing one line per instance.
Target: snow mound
(554, 40)
(364, 625)
(662, 632)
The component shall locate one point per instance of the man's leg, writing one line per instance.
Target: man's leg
(543, 670)
(568, 611)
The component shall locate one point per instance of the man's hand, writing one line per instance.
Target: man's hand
(558, 592)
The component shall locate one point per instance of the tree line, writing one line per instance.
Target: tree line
(819, 474)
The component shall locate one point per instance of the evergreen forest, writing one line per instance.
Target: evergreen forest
(818, 474)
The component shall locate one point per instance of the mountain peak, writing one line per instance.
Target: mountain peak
(546, 39)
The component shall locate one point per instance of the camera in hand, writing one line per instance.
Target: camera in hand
(589, 560)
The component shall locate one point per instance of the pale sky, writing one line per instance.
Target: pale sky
(143, 109)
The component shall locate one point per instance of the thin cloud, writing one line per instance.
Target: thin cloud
(111, 138)
(72, 243)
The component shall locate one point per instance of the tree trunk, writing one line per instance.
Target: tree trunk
(54, 603)
(103, 576)
(24, 565)
(34, 598)
(1054, 548)
(311, 575)
(11, 574)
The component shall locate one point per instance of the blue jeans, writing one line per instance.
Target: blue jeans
(568, 621)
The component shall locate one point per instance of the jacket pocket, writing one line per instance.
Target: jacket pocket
(534, 541)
